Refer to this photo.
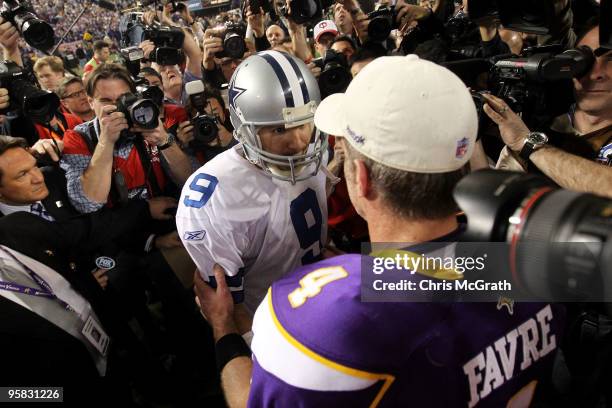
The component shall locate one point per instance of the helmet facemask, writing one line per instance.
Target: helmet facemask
(288, 168)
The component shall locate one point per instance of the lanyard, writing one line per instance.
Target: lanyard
(44, 290)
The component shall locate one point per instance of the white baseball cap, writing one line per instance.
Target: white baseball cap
(405, 113)
(324, 26)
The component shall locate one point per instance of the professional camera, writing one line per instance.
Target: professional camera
(233, 41)
(304, 11)
(168, 40)
(132, 56)
(35, 103)
(205, 130)
(382, 21)
(36, 32)
(538, 85)
(335, 75)
(138, 111)
(560, 241)
(70, 61)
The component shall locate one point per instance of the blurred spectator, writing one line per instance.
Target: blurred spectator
(50, 72)
(101, 51)
(344, 45)
(324, 34)
(275, 35)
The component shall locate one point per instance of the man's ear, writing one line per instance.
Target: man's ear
(90, 100)
(364, 181)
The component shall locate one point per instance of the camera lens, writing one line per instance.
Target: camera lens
(334, 78)
(144, 113)
(206, 130)
(39, 105)
(234, 46)
(37, 33)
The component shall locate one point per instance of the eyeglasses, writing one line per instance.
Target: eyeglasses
(76, 94)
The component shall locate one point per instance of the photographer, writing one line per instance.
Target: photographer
(223, 140)
(95, 153)
(74, 98)
(577, 152)
(217, 71)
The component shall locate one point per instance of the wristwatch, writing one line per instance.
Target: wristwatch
(169, 142)
(533, 142)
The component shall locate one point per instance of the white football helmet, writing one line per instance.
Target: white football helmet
(274, 88)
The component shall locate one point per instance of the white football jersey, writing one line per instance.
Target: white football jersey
(256, 227)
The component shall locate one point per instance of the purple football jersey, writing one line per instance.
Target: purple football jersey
(317, 344)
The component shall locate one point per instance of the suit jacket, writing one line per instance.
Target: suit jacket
(35, 349)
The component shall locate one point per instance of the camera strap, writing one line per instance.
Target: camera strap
(145, 159)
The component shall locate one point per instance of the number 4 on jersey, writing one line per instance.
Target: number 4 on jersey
(312, 283)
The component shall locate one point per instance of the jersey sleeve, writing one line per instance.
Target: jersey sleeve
(215, 227)
(318, 381)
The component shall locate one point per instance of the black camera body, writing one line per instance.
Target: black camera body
(36, 32)
(233, 41)
(305, 11)
(138, 111)
(38, 105)
(168, 40)
(205, 130)
(168, 44)
(382, 21)
(335, 74)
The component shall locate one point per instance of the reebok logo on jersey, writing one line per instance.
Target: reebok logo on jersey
(194, 235)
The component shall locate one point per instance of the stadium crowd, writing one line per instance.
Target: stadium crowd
(269, 148)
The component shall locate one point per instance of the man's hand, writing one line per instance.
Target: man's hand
(154, 137)
(111, 124)
(100, 275)
(511, 127)
(225, 136)
(316, 71)
(407, 13)
(9, 36)
(212, 44)
(184, 132)
(158, 206)
(361, 25)
(4, 98)
(147, 47)
(47, 146)
(168, 241)
(256, 21)
(216, 305)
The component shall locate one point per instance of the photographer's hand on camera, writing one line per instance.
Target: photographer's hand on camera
(154, 137)
(212, 44)
(147, 47)
(184, 133)
(111, 125)
(256, 21)
(4, 98)
(511, 127)
(9, 39)
(316, 70)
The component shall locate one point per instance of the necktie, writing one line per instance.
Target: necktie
(38, 209)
